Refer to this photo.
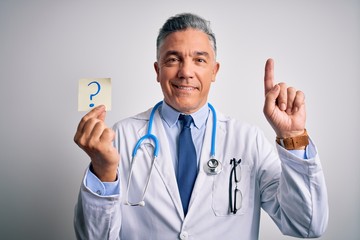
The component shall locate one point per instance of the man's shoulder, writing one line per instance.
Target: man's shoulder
(137, 119)
(239, 129)
(230, 122)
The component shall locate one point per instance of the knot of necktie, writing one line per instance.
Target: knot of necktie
(186, 119)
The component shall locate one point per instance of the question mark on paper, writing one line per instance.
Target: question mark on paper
(94, 94)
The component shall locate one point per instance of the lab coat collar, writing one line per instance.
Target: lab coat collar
(171, 115)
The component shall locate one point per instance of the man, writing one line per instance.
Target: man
(224, 204)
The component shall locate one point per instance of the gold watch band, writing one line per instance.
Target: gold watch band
(294, 143)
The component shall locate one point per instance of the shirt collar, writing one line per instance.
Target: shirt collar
(171, 116)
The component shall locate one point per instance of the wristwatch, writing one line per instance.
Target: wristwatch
(294, 143)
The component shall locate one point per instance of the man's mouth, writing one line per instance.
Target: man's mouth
(185, 88)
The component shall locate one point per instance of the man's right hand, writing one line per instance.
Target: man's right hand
(95, 138)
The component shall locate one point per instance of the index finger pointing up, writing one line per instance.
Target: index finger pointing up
(269, 75)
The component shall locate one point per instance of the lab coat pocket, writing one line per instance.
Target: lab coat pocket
(221, 192)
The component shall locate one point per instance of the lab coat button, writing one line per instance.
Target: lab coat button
(98, 192)
(184, 235)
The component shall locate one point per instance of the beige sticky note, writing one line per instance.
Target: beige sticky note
(94, 92)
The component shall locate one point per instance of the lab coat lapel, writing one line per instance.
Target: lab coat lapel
(164, 164)
(205, 155)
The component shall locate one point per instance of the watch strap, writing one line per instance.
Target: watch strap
(294, 143)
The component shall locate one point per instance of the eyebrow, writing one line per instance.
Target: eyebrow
(171, 52)
(195, 53)
(201, 53)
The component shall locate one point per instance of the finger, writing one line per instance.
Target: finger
(269, 75)
(291, 93)
(108, 135)
(98, 130)
(282, 98)
(299, 101)
(270, 100)
(84, 129)
(102, 115)
(94, 129)
(94, 113)
(94, 139)
(86, 137)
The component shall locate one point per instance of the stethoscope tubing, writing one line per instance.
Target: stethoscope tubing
(155, 140)
(149, 135)
(152, 137)
(213, 134)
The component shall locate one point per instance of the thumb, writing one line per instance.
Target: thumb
(270, 99)
(101, 112)
(102, 116)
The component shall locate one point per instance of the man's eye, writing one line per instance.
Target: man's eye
(172, 60)
(201, 60)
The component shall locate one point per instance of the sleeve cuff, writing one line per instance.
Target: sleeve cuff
(308, 153)
(101, 188)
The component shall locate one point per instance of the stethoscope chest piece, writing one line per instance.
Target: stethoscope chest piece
(213, 167)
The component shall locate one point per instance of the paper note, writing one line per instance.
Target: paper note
(94, 92)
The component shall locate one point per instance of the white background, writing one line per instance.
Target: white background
(47, 46)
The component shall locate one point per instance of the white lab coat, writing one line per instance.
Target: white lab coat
(291, 190)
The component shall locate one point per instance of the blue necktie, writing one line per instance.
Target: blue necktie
(187, 163)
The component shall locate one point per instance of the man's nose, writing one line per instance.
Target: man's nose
(186, 70)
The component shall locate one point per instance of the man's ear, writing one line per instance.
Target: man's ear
(215, 71)
(157, 69)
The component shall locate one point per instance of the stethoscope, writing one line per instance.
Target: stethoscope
(211, 167)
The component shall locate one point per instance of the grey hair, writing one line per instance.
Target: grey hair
(181, 22)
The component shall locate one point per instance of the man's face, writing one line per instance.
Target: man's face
(185, 69)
